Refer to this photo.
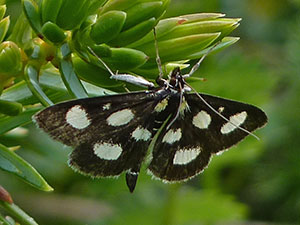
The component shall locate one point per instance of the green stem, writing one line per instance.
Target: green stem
(3, 221)
(18, 214)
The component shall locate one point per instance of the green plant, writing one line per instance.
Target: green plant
(44, 59)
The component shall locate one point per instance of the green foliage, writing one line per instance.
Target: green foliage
(46, 61)
(46, 56)
(11, 162)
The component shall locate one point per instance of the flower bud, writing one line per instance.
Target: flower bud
(53, 33)
(5, 196)
(108, 26)
(10, 59)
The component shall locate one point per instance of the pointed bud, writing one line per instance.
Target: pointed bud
(5, 196)
(2, 11)
(53, 33)
(10, 59)
(107, 26)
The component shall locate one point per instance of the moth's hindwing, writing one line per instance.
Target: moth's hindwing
(185, 149)
(110, 134)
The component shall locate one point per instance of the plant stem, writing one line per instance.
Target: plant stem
(18, 213)
(3, 221)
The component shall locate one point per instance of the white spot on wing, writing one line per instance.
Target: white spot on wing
(161, 105)
(221, 109)
(107, 151)
(237, 119)
(185, 156)
(106, 106)
(77, 117)
(202, 120)
(172, 136)
(120, 118)
(184, 106)
(141, 134)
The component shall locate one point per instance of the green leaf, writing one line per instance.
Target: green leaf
(107, 27)
(18, 214)
(134, 33)
(51, 82)
(31, 77)
(2, 11)
(190, 18)
(53, 32)
(167, 25)
(11, 162)
(21, 32)
(142, 12)
(226, 42)
(71, 80)
(4, 24)
(68, 75)
(125, 58)
(50, 10)
(72, 13)
(3, 221)
(31, 11)
(93, 74)
(8, 123)
(10, 108)
(117, 5)
(179, 48)
(201, 27)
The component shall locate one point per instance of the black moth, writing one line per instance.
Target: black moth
(112, 134)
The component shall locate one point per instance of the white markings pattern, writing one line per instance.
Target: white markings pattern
(221, 109)
(184, 106)
(185, 156)
(120, 118)
(106, 106)
(202, 120)
(141, 133)
(107, 151)
(237, 119)
(161, 105)
(172, 136)
(77, 117)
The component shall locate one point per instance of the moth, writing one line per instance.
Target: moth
(182, 130)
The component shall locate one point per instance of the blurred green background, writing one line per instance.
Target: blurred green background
(256, 182)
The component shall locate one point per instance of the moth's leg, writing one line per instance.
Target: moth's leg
(136, 80)
(197, 65)
(178, 108)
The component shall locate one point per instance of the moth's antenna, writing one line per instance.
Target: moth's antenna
(197, 65)
(178, 109)
(158, 60)
(103, 63)
(219, 114)
(193, 70)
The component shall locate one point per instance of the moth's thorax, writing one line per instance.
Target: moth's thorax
(176, 81)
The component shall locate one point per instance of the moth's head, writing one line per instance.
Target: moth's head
(176, 80)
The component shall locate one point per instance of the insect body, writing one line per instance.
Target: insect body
(112, 134)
